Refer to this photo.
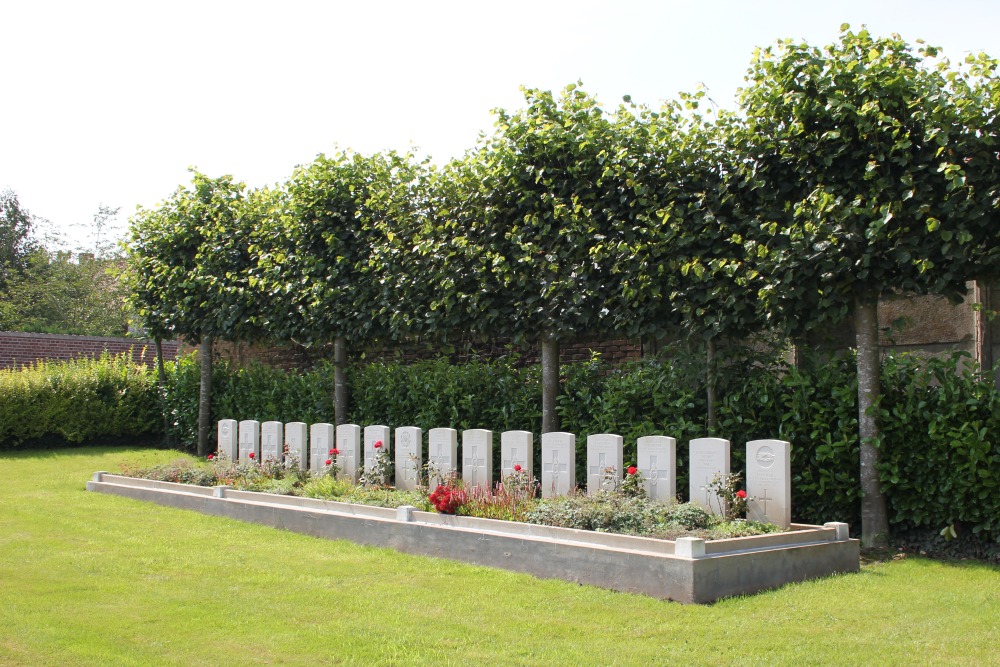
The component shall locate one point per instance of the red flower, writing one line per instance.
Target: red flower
(335, 451)
(328, 461)
(741, 494)
(211, 456)
(632, 470)
(378, 443)
(517, 467)
(251, 455)
(332, 452)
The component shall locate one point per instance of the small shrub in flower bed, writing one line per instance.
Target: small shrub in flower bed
(509, 500)
(616, 513)
(181, 471)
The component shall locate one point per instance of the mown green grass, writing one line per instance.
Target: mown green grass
(91, 579)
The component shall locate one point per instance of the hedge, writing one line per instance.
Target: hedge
(73, 402)
(941, 461)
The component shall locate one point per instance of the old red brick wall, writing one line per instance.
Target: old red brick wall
(19, 349)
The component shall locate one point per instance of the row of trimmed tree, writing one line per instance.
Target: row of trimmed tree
(851, 171)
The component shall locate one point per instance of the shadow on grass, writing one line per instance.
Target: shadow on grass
(84, 450)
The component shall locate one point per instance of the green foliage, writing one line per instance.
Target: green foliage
(77, 401)
(940, 465)
(254, 391)
(339, 218)
(190, 268)
(56, 295)
(529, 217)
(498, 395)
(16, 242)
(854, 164)
(941, 460)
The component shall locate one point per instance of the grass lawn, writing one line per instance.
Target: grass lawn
(92, 579)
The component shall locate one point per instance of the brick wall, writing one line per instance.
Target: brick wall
(288, 357)
(23, 349)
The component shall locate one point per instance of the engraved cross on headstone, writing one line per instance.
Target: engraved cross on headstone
(439, 459)
(347, 454)
(474, 462)
(508, 464)
(654, 472)
(555, 468)
(598, 470)
(763, 499)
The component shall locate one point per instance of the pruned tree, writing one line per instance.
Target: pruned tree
(683, 260)
(191, 273)
(325, 267)
(855, 158)
(533, 213)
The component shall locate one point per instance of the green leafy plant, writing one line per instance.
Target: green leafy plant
(732, 500)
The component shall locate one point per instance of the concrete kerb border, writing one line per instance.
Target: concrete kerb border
(688, 569)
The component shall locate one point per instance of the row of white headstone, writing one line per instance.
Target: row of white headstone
(768, 477)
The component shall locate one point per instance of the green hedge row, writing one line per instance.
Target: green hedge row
(941, 461)
(55, 403)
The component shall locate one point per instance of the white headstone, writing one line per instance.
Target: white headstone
(516, 448)
(375, 435)
(657, 463)
(558, 464)
(272, 441)
(320, 443)
(296, 439)
(708, 457)
(477, 457)
(349, 444)
(442, 454)
(229, 443)
(604, 462)
(409, 457)
(249, 440)
(769, 481)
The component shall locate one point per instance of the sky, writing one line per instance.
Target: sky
(109, 103)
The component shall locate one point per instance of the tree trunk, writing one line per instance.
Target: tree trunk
(550, 382)
(340, 380)
(161, 381)
(205, 396)
(710, 383)
(874, 515)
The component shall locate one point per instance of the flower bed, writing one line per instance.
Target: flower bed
(687, 569)
(623, 510)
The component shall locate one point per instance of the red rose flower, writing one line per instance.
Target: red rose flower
(251, 455)
(517, 467)
(741, 494)
(378, 443)
(632, 470)
(211, 456)
(332, 452)
(335, 451)
(328, 461)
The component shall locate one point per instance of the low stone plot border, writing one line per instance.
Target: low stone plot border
(687, 570)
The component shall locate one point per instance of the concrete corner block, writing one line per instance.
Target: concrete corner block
(220, 491)
(843, 529)
(99, 475)
(405, 513)
(689, 547)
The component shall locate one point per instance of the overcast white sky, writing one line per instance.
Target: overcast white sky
(111, 102)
